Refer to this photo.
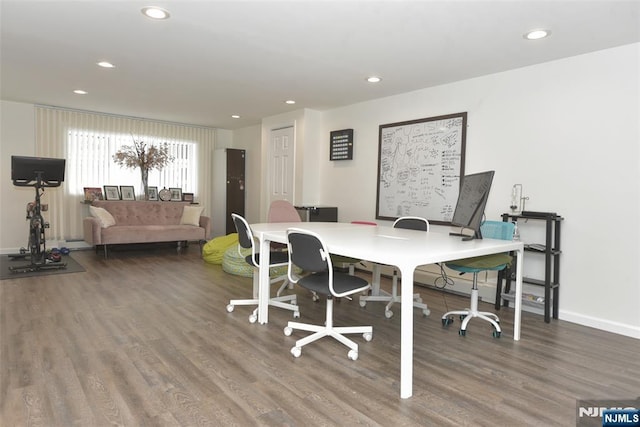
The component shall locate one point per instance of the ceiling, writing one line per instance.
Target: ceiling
(212, 59)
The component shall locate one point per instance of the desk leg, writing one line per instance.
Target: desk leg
(264, 287)
(375, 279)
(518, 300)
(406, 333)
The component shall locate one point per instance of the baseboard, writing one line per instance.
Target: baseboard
(75, 245)
(604, 325)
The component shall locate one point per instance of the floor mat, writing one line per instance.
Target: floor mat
(6, 262)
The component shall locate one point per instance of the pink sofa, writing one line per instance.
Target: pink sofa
(143, 222)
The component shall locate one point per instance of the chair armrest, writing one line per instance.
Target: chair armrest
(92, 231)
(205, 222)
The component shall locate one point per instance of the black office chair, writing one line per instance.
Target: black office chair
(412, 223)
(276, 259)
(496, 262)
(308, 252)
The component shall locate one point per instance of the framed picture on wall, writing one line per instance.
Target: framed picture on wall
(92, 193)
(111, 192)
(127, 192)
(176, 194)
(187, 197)
(153, 193)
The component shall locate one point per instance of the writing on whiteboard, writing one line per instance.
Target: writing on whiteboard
(419, 167)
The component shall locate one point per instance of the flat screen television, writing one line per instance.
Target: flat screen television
(28, 171)
(472, 199)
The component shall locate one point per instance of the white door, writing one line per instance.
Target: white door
(281, 164)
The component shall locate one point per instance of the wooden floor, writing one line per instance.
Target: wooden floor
(144, 339)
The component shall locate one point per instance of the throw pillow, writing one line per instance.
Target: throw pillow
(103, 215)
(191, 215)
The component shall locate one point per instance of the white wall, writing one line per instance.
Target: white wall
(568, 131)
(17, 137)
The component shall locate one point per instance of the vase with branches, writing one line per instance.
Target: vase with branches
(144, 156)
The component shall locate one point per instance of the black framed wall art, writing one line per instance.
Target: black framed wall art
(341, 145)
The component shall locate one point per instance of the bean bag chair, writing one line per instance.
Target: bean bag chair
(213, 251)
(234, 263)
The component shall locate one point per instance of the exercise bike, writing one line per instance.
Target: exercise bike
(44, 173)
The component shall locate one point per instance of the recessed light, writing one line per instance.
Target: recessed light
(80, 92)
(537, 34)
(235, 116)
(374, 79)
(290, 101)
(155, 12)
(105, 64)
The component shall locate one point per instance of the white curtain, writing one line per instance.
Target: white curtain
(52, 132)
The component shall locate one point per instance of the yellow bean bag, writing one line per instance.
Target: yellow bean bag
(234, 263)
(213, 250)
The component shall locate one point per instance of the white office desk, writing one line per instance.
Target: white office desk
(406, 249)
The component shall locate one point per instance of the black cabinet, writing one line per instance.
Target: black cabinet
(228, 189)
(550, 250)
(318, 213)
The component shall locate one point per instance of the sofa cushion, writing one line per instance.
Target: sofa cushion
(151, 233)
(104, 217)
(143, 212)
(191, 215)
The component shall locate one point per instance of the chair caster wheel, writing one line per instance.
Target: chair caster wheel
(388, 314)
(230, 308)
(447, 321)
(462, 332)
(462, 316)
(353, 355)
(363, 303)
(253, 318)
(296, 351)
(426, 312)
(288, 331)
(368, 336)
(296, 314)
(315, 298)
(496, 334)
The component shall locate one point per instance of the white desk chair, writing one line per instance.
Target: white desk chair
(282, 211)
(412, 223)
(276, 259)
(308, 252)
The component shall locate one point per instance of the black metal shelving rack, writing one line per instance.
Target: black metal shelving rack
(551, 251)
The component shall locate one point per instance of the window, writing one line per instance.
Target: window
(90, 162)
(88, 141)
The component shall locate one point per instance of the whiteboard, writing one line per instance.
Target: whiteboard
(420, 163)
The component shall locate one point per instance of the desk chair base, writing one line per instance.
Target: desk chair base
(285, 285)
(288, 302)
(469, 313)
(393, 297)
(328, 330)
